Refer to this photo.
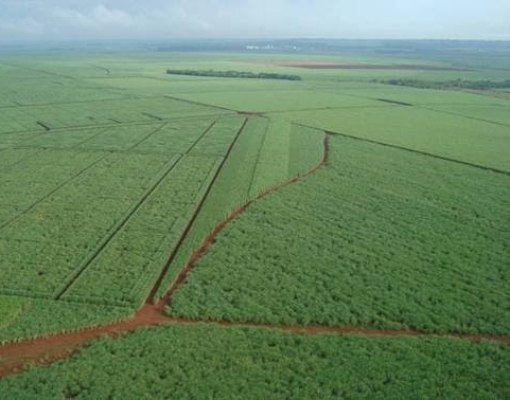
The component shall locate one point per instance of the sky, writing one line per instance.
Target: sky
(363, 19)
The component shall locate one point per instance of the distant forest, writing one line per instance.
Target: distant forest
(234, 74)
(451, 84)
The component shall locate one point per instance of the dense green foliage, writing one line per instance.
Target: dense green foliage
(234, 74)
(384, 238)
(202, 361)
(452, 84)
(10, 307)
(105, 161)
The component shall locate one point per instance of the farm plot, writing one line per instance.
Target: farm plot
(44, 241)
(53, 90)
(449, 136)
(99, 113)
(267, 154)
(125, 269)
(385, 238)
(62, 208)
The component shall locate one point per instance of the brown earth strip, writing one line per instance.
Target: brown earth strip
(17, 356)
(311, 64)
(346, 330)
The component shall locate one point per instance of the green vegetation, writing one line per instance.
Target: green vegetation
(40, 317)
(266, 154)
(153, 226)
(10, 307)
(112, 173)
(234, 74)
(445, 135)
(385, 238)
(452, 84)
(200, 361)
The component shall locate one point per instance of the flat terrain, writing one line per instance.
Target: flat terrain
(301, 229)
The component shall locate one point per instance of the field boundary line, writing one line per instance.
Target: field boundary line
(487, 121)
(330, 109)
(64, 103)
(193, 218)
(423, 153)
(122, 222)
(116, 125)
(198, 103)
(101, 131)
(259, 153)
(153, 132)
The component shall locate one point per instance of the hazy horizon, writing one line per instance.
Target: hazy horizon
(179, 19)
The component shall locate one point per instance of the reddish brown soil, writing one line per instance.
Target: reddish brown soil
(15, 357)
(312, 64)
(344, 330)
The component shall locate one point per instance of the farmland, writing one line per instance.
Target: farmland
(264, 225)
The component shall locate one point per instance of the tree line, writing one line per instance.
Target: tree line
(450, 84)
(234, 74)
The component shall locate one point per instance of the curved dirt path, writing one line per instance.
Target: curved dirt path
(15, 357)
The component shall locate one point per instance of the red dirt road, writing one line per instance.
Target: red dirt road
(15, 357)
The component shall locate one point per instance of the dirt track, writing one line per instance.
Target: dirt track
(312, 64)
(16, 357)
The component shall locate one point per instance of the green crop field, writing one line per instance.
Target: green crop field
(176, 361)
(327, 237)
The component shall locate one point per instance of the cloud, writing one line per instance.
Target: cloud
(99, 20)
(251, 18)
(20, 27)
